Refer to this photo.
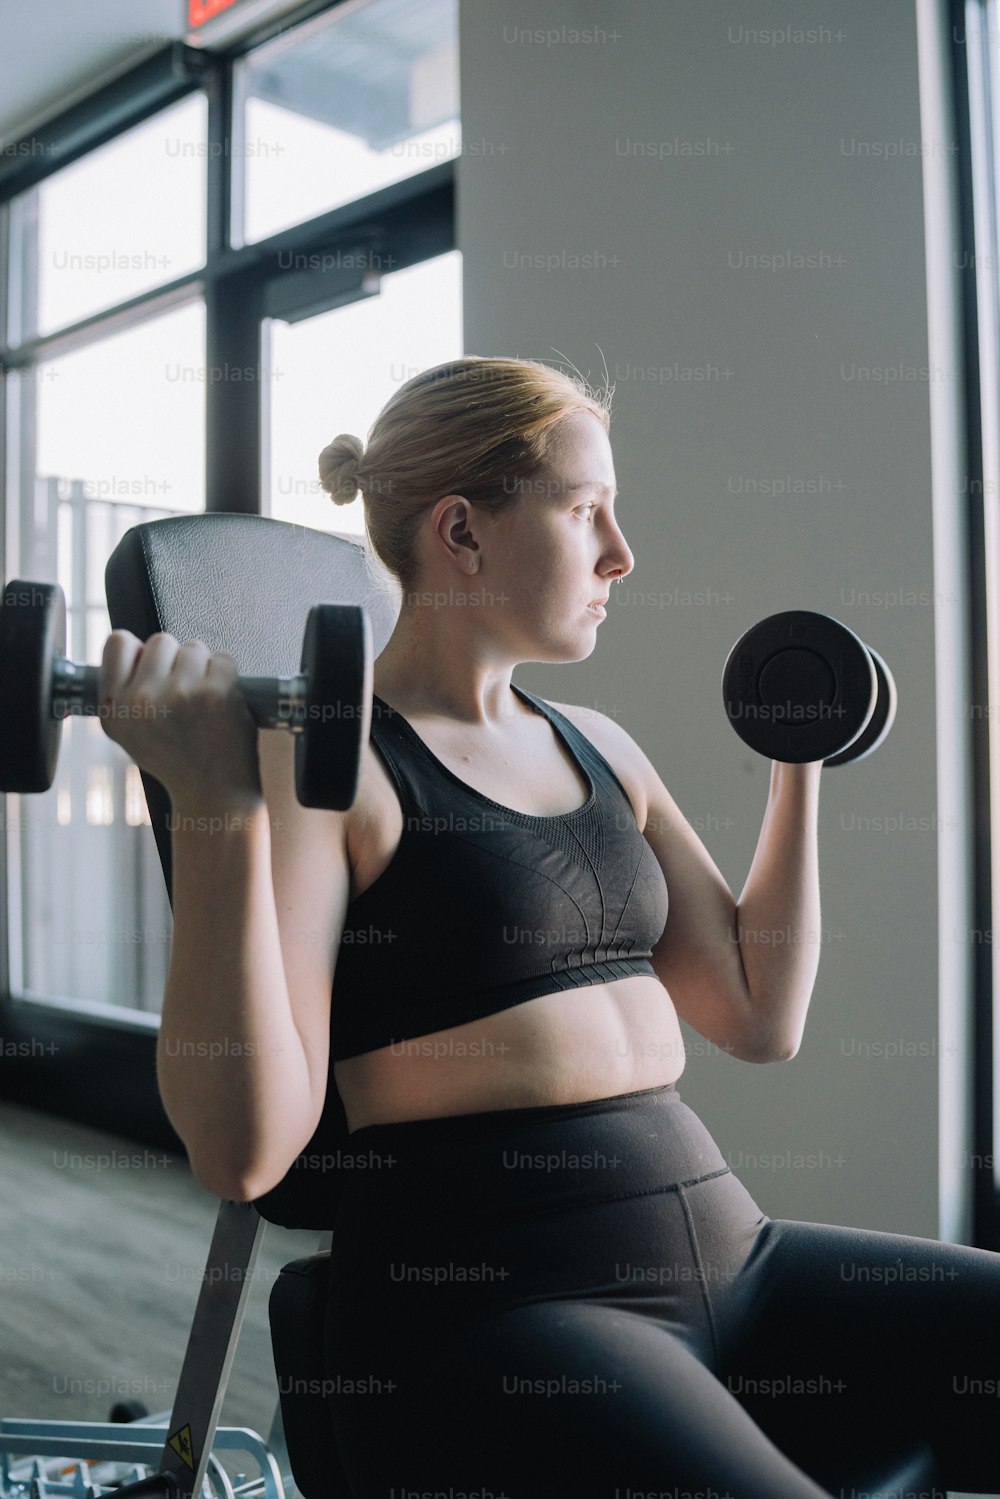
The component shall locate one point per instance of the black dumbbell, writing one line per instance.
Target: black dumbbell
(801, 686)
(327, 706)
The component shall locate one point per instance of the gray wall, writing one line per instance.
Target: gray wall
(672, 145)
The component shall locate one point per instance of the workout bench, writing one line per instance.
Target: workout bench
(245, 583)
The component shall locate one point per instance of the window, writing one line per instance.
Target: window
(129, 312)
(334, 373)
(355, 101)
(126, 218)
(119, 436)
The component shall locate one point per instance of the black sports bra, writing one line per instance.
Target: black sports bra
(483, 907)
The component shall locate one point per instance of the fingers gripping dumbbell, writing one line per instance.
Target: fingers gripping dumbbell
(327, 705)
(801, 686)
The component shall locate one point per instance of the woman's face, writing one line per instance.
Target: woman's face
(557, 548)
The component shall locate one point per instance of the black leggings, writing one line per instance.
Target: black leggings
(583, 1300)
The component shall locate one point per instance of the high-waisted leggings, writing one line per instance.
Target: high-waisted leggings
(583, 1300)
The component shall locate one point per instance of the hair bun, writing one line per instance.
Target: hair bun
(339, 463)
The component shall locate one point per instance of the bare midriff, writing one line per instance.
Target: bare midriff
(567, 1047)
(570, 1046)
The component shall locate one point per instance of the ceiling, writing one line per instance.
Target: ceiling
(55, 52)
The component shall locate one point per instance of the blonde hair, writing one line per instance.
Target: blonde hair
(474, 426)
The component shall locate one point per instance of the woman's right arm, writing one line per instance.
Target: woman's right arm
(260, 891)
(258, 909)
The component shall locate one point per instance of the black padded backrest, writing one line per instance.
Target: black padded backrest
(245, 584)
(241, 583)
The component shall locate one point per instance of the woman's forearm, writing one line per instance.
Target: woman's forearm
(230, 1063)
(778, 912)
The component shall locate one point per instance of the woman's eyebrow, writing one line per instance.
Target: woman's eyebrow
(588, 484)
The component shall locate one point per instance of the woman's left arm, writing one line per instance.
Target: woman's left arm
(778, 911)
(741, 973)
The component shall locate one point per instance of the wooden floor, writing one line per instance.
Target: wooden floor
(102, 1249)
(102, 1252)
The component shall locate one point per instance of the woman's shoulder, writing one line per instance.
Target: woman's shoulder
(617, 746)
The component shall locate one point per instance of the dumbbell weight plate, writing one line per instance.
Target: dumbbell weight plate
(799, 686)
(878, 725)
(337, 659)
(32, 634)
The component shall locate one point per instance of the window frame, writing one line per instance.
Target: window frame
(975, 86)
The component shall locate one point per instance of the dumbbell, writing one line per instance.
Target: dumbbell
(327, 706)
(801, 686)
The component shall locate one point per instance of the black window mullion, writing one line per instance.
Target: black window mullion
(232, 393)
(232, 415)
(219, 92)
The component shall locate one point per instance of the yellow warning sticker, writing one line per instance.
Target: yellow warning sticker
(181, 1443)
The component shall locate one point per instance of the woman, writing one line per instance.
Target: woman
(545, 1280)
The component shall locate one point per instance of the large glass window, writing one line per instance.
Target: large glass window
(148, 365)
(334, 373)
(120, 439)
(128, 217)
(356, 100)
(125, 417)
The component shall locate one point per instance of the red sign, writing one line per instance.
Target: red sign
(200, 11)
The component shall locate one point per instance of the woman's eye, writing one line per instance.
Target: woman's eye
(590, 507)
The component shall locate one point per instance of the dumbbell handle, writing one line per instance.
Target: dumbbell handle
(274, 702)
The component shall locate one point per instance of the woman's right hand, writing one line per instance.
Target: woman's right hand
(177, 710)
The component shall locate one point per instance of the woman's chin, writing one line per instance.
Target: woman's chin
(580, 647)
